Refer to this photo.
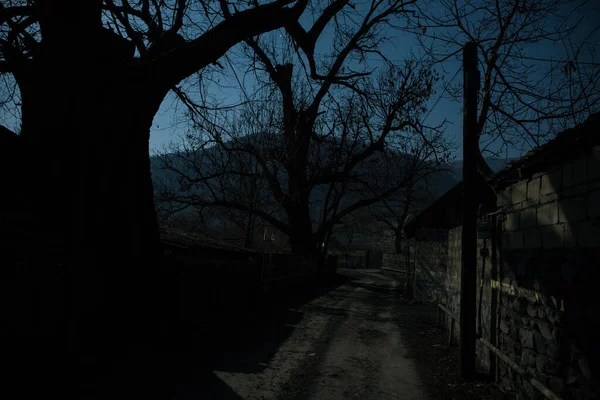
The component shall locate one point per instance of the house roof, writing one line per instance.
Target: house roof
(181, 239)
(568, 143)
(446, 211)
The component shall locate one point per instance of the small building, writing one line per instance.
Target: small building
(538, 264)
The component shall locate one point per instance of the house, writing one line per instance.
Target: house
(538, 264)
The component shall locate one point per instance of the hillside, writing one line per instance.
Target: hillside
(437, 184)
(495, 165)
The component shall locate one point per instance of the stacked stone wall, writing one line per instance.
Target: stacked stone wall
(548, 268)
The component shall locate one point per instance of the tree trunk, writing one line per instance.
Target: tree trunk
(93, 208)
(301, 234)
(405, 211)
(91, 242)
(398, 240)
(249, 238)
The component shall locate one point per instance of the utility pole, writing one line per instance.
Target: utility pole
(468, 273)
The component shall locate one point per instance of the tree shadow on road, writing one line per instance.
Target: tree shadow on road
(185, 359)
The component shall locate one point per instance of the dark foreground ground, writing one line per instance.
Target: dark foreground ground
(437, 363)
(352, 337)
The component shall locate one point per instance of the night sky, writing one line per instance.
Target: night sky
(165, 129)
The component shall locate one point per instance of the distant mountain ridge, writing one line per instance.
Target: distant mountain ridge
(437, 184)
(495, 164)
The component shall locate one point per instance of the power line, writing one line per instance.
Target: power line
(560, 61)
(356, 57)
(380, 59)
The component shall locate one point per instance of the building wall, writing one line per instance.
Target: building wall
(550, 254)
(452, 300)
(393, 260)
(484, 292)
(431, 258)
(548, 259)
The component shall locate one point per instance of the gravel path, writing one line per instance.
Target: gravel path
(345, 344)
(355, 338)
(351, 338)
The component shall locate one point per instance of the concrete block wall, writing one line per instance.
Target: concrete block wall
(549, 261)
(431, 257)
(556, 208)
(485, 316)
(452, 282)
(452, 278)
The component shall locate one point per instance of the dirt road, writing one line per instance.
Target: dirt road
(344, 344)
(339, 341)
(350, 338)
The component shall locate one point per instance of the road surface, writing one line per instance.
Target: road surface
(345, 344)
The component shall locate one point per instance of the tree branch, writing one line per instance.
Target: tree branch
(182, 61)
(6, 13)
(234, 205)
(179, 14)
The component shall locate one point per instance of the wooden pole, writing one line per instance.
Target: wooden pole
(468, 309)
(494, 309)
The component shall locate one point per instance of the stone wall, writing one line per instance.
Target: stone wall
(431, 260)
(550, 254)
(547, 257)
(484, 293)
(394, 260)
(452, 277)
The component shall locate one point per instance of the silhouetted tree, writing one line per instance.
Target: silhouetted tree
(361, 149)
(91, 76)
(332, 116)
(524, 99)
(391, 214)
(200, 175)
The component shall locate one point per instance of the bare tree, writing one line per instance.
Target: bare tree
(89, 87)
(333, 116)
(91, 76)
(346, 167)
(226, 189)
(391, 214)
(524, 100)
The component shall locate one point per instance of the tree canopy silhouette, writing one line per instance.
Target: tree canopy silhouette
(85, 79)
(326, 116)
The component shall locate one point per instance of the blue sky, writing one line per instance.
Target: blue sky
(165, 131)
(169, 125)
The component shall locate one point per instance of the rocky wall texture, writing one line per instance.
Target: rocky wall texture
(452, 278)
(486, 318)
(548, 310)
(550, 258)
(484, 293)
(536, 281)
(431, 257)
